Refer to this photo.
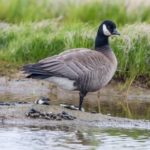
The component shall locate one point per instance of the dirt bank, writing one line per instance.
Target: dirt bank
(19, 88)
(15, 115)
(113, 100)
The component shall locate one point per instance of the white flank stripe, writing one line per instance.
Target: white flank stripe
(64, 83)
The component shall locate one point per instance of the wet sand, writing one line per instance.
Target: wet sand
(16, 115)
(21, 89)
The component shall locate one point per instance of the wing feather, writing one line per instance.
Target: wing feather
(71, 64)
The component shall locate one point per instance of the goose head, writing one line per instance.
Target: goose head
(108, 28)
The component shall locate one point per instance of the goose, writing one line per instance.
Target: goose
(80, 69)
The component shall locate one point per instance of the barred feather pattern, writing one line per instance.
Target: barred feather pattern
(90, 70)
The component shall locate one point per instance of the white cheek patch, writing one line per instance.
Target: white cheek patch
(106, 31)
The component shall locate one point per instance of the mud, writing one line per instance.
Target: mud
(112, 101)
(16, 115)
(19, 88)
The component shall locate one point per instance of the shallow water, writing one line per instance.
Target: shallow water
(78, 138)
(135, 105)
(66, 138)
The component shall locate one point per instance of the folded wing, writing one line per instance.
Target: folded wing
(72, 64)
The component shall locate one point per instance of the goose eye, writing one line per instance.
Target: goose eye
(109, 27)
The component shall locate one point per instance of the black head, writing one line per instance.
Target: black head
(108, 28)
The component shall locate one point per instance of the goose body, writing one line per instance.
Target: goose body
(79, 69)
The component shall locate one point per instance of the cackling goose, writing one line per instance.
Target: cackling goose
(80, 69)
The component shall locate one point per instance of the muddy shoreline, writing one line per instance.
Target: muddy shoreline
(16, 115)
(20, 89)
(113, 99)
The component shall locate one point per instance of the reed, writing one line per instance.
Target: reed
(122, 12)
(38, 29)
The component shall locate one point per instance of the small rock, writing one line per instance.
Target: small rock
(64, 113)
(49, 116)
(5, 104)
(58, 117)
(43, 101)
(71, 107)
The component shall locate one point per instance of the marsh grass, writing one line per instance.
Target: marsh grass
(134, 60)
(16, 11)
(72, 24)
(28, 43)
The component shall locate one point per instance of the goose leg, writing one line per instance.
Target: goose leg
(98, 102)
(81, 95)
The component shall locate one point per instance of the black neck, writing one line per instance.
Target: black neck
(100, 41)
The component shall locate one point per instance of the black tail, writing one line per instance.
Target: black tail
(37, 76)
(34, 71)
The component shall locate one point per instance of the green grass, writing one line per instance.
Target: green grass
(28, 43)
(42, 28)
(16, 11)
(133, 53)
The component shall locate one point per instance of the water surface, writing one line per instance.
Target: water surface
(66, 138)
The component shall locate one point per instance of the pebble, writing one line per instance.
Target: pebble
(43, 101)
(12, 103)
(71, 107)
(50, 116)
